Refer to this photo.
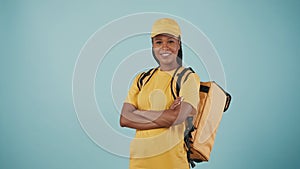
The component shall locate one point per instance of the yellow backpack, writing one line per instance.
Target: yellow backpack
(200, 129)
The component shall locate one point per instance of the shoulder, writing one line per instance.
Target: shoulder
(187, 73)
(144, 73)
(143, 77)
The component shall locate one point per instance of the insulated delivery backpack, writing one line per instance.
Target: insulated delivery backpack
(200, 129)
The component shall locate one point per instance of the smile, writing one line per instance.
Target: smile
(165, 54)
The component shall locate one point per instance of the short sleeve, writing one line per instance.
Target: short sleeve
(190, 90)
(133, 92)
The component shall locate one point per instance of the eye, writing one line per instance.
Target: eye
(171, 41)
(158, 42)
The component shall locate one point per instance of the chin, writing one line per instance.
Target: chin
(166, 63)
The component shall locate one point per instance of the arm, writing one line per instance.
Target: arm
(132, 120)
(138, 119)
(185, 111)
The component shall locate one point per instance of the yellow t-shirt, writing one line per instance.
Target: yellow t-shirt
(163, 147)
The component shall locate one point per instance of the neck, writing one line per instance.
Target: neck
(169, 67)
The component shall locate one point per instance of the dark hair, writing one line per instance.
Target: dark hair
(179, 55)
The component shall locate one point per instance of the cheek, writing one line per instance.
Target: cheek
(155, 51)
(175, 50)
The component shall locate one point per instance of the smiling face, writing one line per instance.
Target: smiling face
(166, 49)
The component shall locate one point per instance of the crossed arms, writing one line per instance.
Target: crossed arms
(140, 119)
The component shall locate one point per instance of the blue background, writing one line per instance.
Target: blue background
(257, 41)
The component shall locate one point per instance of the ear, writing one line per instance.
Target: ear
(179, 44)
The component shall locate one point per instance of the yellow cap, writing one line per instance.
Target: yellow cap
(165, 26)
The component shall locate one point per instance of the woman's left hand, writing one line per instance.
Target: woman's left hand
(176, 103)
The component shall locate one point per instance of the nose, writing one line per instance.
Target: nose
(165, 46)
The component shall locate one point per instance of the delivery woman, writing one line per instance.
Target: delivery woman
(150, 108)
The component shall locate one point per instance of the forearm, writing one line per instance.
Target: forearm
(157, 119)
(170, 116)
(185, 111)
(141, 119)
(149, 119)
(163, 118)
(137, 125)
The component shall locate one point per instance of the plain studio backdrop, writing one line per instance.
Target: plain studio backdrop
(258, 47)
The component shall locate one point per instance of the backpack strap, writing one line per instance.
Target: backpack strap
(177, 77)
(189, 126)
(172, 81)
(143, 75)
(180, 76)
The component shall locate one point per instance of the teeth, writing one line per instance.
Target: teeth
(165, 54)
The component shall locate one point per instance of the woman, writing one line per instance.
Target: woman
(151, 109)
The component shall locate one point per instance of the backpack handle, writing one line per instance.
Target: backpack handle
(228, 100)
